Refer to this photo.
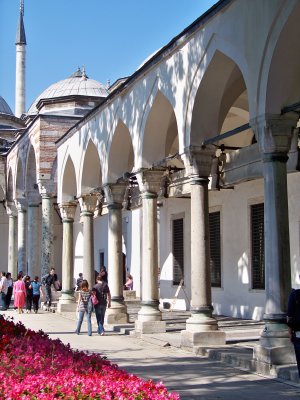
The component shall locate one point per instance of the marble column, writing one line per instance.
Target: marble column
(114, 194)
(67, 301)
(47, 247)
(34, 250)
(87, 206)
(12, 241)
(201, 327)
(150, 317)
(22, 237)
(275, 134)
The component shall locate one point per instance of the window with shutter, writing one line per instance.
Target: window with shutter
(215, 248)
(178, 250)
(257, 246)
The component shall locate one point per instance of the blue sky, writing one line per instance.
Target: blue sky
(111, 38)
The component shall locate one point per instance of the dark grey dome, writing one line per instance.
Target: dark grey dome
(77, 84)
(4, 107)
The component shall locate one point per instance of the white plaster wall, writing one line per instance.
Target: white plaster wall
(172, 209)
(3, 239)
(294, 223)
(101, 241)
(78, 245)
(57, 239)
(235, 297)
(134, 248)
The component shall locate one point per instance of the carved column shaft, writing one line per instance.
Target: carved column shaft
(114, 194)
(149, 316)
(201, 327)
(47, 248)
(22, 239)
(12, 241)
(88, 205)
(67, 300)
(34, 259)
(274, 135)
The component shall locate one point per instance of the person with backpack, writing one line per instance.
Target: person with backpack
(37, 293)
(103, 296)
(293, 322)
(84, 307)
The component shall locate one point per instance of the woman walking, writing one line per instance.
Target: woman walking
(29, 294)
(19, 292)
(84, 308)
(36, 293)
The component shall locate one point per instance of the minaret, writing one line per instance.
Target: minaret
(20, 65)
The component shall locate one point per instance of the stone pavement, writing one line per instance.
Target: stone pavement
(192, 376)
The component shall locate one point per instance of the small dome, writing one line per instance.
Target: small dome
(4, 107)
(78, 84)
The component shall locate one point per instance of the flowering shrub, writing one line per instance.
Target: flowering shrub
(35, 367)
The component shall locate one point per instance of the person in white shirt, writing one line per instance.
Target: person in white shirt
(3, 291)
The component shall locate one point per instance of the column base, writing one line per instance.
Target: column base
(67, 302)
(149, 327)
(274, 345)
(201, 322)
(205, 338)
(116, 314)
(67, 307)
(149, 312)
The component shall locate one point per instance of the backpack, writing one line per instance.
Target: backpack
(101, 296)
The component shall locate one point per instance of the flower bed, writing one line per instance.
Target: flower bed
(35, 367)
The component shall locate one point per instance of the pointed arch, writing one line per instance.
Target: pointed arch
(69, 187)
(31, 175)
(20, 187)
(221, 103)
(120, 153)
(10, 187)
(280, 81)
(160, 137)
(91, 174)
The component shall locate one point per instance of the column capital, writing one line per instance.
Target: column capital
(274, 132)
(198, 161)
(87, 204)
(21, 205)
(68, 210)
(11, 209)
(47, 188)
(114, 193)
(149, 181)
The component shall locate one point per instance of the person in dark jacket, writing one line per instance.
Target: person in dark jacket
(293, 322)
(49, 280)
(102, 293)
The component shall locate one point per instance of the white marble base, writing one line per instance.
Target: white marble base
(207, 338)
(116, 316)
(66, 307)
(150, 327)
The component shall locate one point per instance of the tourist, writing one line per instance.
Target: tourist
(84, 308)
(29, 294)
(36, 293)
(48, 280)
(10, 284)
(103, 272)
(129, 283)
(79, 281)
(102, 292)
(3, 291)
(19, 292)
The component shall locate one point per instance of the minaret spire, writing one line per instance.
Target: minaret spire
(20, 64)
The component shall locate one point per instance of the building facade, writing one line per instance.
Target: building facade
(184, 173)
